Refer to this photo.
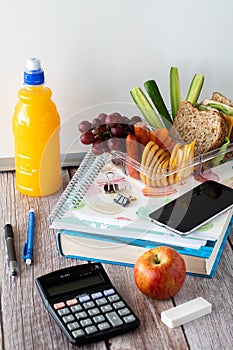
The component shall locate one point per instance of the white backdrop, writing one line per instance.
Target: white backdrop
(95, 51)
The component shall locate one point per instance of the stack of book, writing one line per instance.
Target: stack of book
(103, 216)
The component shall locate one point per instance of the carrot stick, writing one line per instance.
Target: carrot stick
(162, 136)
(141, 132)
(153, 135)
(132, 150)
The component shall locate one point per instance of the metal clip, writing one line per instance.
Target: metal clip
(110, 186)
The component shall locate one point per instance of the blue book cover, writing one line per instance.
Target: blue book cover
(84, 241)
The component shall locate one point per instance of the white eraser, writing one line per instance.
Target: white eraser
(186, 312)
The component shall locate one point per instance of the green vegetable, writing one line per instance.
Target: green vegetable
(154, 93)
(195, 88)
(220, 106)
(175, 95)
(145, 107)
(200, 107)
(222, 152)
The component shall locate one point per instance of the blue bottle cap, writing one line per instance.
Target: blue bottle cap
(33, 74)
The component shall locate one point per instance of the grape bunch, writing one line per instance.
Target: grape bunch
(107, 132)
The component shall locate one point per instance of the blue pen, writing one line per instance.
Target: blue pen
(27, 252)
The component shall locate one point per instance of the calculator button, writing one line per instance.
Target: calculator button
(103, 326)
(58, 306)
(113, 297)
(86, 322)
(106, 308)
(80, 315)
(114, 319)
(72, 326)
(129, 318)
(71, 302)
(68, 318)
(124, 311)
(63, 312)
(93, 312)
(91, 329)
(99, 318)
(78, 333)
(119, 305)
(76, 308)
(89, 305)
(101, 301)
(109, 291)
(83, 298)
(96, 295)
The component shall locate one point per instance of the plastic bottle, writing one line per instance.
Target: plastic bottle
(36, 128)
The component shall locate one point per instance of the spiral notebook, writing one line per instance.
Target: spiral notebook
(74, 193)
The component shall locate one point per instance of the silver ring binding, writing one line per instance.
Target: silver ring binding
(79, 184)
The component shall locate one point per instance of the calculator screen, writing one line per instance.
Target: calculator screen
(74, 285)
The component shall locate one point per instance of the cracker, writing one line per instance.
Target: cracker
(174, 156)
(147, 148)
(164, 169)
(161, 155)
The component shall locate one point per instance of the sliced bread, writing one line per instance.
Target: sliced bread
(207, 128)
(216, 96)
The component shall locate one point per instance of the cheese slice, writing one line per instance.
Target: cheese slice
(229, 121)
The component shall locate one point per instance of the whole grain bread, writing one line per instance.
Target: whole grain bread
(216, 96)
(207, 128)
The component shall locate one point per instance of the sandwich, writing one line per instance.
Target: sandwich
(221, 103)
(208, 128)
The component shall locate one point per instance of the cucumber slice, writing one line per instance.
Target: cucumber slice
(146, 108)
(175, 95)
(195, 88)
(219, 105)
(155, 96)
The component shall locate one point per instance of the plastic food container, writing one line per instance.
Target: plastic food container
(198, 166)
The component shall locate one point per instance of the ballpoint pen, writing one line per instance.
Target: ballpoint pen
(27, 252)
(12, 261)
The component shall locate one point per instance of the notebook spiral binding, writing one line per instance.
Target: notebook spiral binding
(78, 186)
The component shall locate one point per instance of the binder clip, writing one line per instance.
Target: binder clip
(124, 196)
(110, 186)
(121, 199)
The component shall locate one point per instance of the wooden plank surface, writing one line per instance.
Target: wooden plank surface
(26, 325)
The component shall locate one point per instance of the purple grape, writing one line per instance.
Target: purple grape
(102, 117)
(87, 138)
(100, 147)
(96, 122)
(117, 161)
(84, 126)
(117, 130)
(131, 129)
(135, 119)
(113, 143)
(118, 115)
(125, 120)
(112, 119)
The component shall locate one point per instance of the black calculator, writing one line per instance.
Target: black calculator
(85, 304)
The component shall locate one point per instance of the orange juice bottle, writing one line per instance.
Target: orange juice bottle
(36, 129)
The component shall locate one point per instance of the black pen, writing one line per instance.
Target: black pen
(12, 261)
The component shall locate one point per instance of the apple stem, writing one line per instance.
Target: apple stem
(156, 259)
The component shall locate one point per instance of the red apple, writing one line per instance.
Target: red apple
(160, 272)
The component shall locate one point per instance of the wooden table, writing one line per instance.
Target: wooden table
(26, 325)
